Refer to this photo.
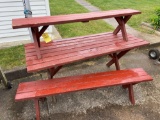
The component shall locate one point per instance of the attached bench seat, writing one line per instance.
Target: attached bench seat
(42, 88)
(61, 52)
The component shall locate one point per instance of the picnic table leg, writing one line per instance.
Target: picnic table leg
(118, 57)
(36, 41)
(37, 109)
(122, 26)
(115, 58)
(36, 37)
(126, 18)
(53, 71)
(131, 93)
(122, 21)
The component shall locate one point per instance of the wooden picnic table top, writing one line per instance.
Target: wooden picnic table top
(61, 19)
(62, 52)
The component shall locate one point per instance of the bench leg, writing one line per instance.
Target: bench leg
(124, 86)
(36, 101)
(118, 56)
(53, 71)
(131, 92)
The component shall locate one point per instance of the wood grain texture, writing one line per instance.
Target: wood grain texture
(42, 88)
(61, 52)
(61, 19)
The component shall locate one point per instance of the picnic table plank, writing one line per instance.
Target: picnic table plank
(61, 19)
(59, 51)
(67, 51)
(28, 90)
(122, 16)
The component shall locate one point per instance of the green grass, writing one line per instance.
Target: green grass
(58, 7)
(147, 8)
(12, 57)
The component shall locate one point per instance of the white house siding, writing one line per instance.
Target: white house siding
(10, 9)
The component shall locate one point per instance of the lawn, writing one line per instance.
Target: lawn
(14, 56)
(147, 8)
(76, 29)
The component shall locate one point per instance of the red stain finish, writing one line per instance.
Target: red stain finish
(53, 55)
(42, 88)
(61, 19)
(121, 16)
(61, 52)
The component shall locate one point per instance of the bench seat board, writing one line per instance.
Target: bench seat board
(42, 88)
(61, 19)
(61, 52)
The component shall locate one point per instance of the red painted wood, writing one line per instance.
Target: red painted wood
(36, 42)
(131, 94)
(115, 58)
(119, 27)
(61, 19)
(43, 29)
(122, 53)
(67, 51)
(104, 39)
(67, 40)
(121, 23)
(37, 107)
(70, 58)
(61, 81)
(53, 71)
(42, 88)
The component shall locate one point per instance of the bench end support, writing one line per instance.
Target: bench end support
(36, 101)
(131, 94)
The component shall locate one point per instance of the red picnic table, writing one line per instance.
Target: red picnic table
(52, 56)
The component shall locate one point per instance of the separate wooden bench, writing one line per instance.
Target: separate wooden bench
(42, 88)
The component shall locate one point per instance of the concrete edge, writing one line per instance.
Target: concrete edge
(150, 27)
(20, 72)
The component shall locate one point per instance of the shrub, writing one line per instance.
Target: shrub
(155, 19)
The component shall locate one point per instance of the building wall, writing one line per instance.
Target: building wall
(10, 9)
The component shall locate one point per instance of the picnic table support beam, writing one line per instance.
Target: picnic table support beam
(37, 109)
(53, 71)
(122, 21)
(43, 29)
(119, 55)
(115, 58)
(36, 41)
(36, 37)
(122, 26)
